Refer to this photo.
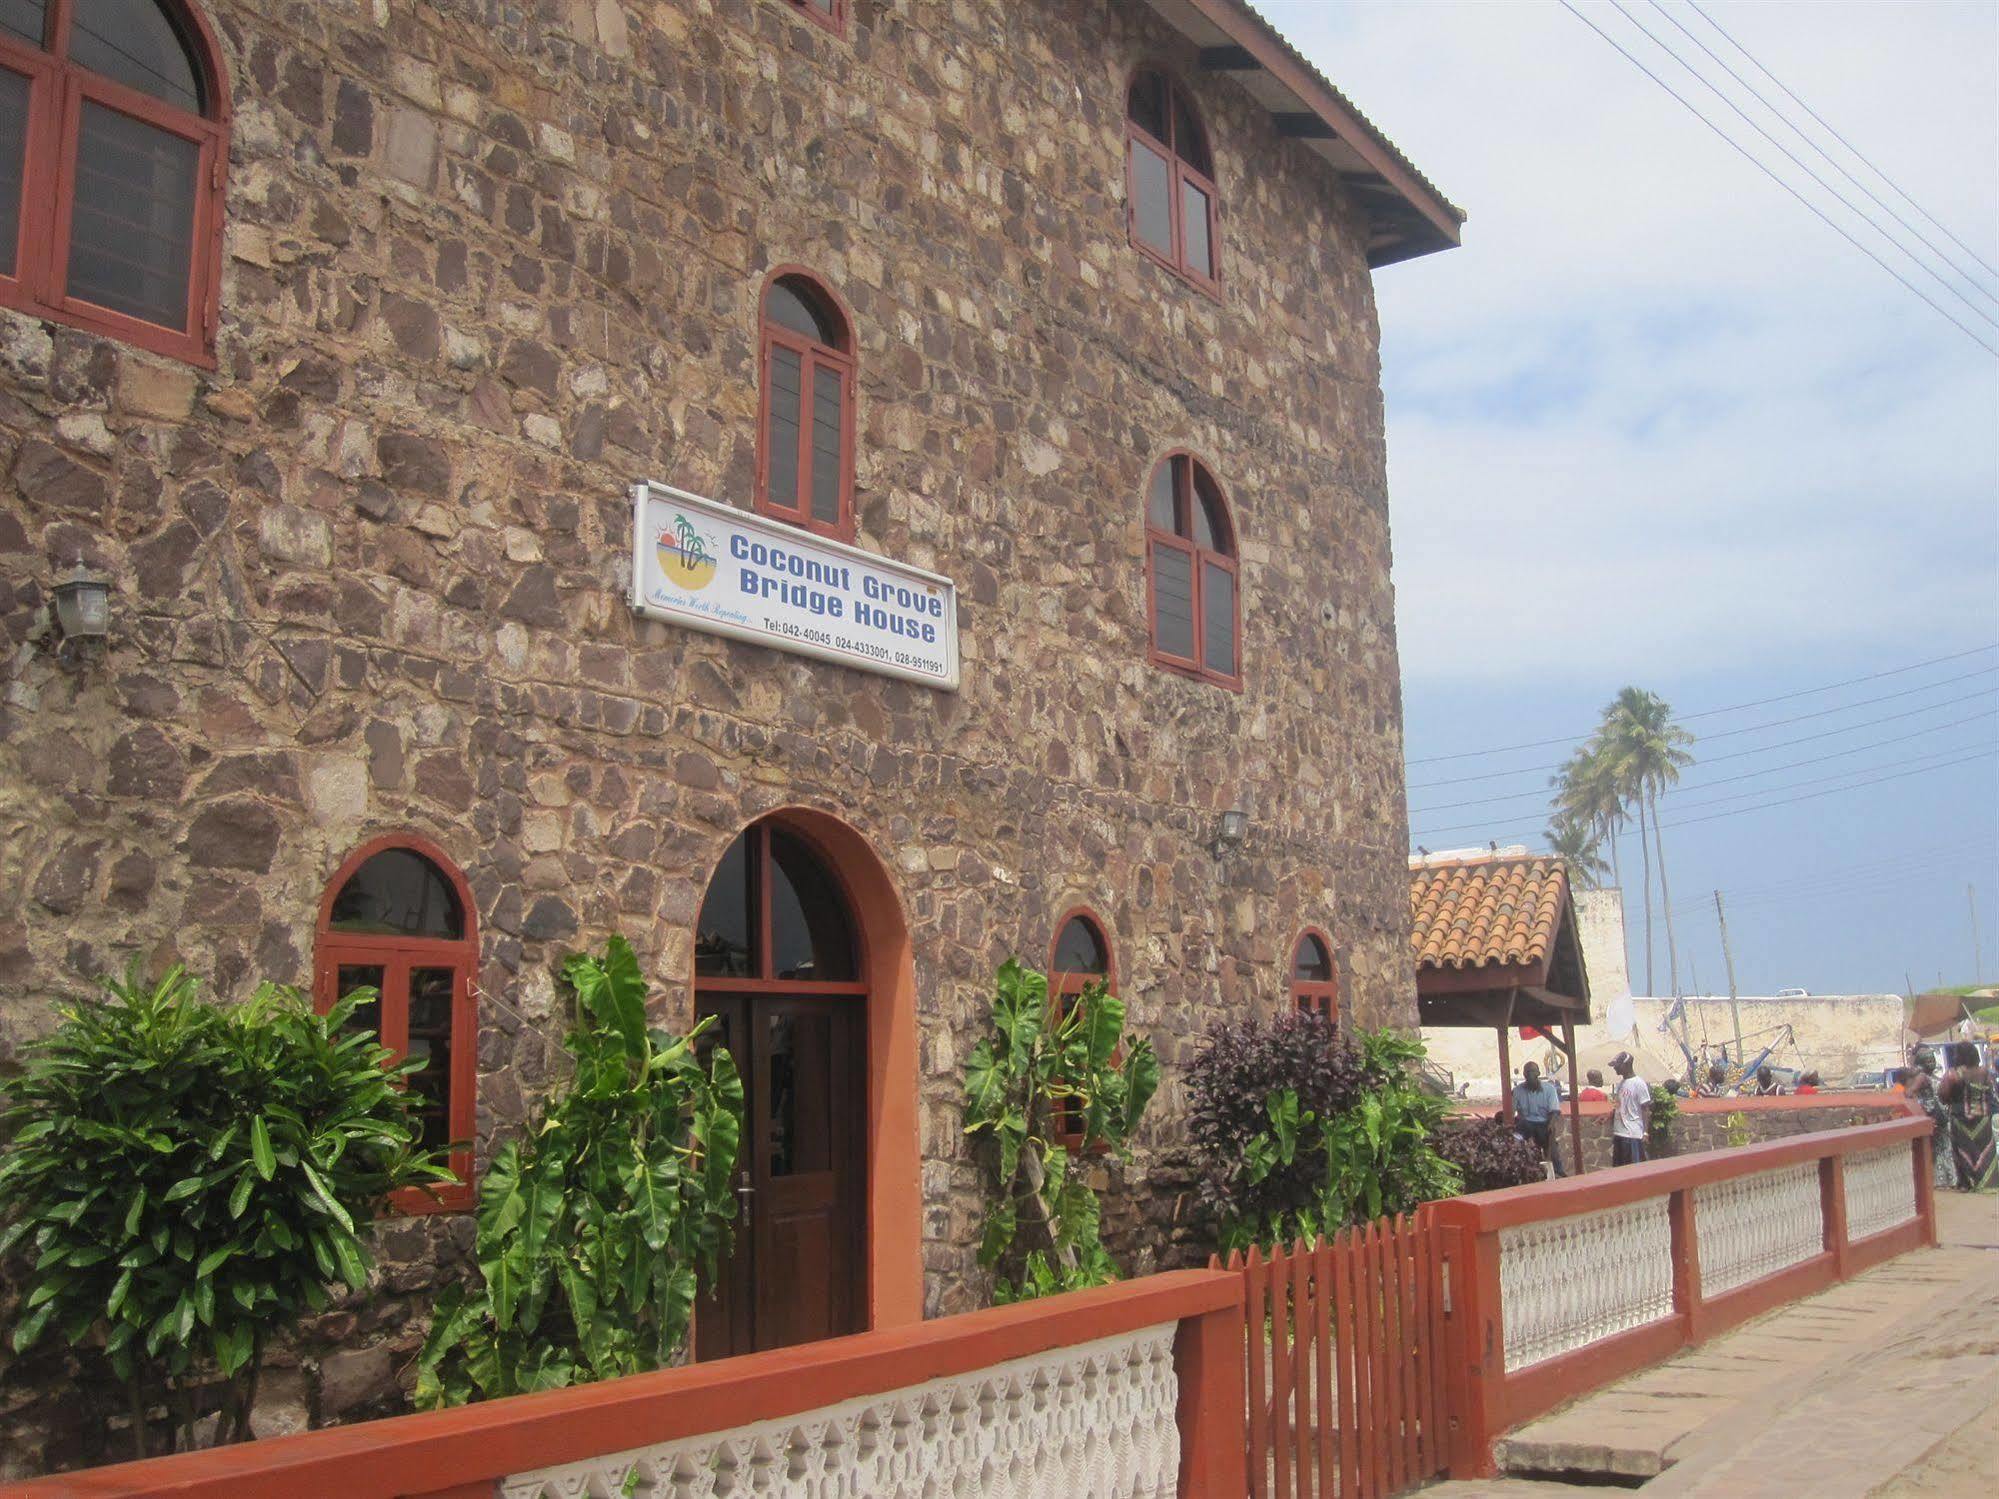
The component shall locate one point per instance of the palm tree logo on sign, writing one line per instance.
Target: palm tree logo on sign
(684, 556)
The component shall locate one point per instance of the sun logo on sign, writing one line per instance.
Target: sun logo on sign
(684, 558)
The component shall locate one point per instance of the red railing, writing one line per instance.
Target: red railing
(459, 1454)
(1348, 1350)
(1495, 1394)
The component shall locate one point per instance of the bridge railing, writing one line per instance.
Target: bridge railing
(1563, 1286)
(1130, 1391)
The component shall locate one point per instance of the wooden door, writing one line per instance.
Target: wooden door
(796, 1273)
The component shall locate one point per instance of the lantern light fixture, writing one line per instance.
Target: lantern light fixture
(83, 606)
(1234, 829)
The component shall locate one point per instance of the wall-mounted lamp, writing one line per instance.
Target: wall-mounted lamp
(1234, 829)
(83, 607)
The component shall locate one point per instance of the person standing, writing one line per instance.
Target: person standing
(1922, 1087)
(1631, 1119)
(1767, 1085)
(1537, 1107)
(1967, 1091)
(1716, 1085)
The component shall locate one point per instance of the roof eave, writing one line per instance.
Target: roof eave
(1412, 218)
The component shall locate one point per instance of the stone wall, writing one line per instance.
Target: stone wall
(489, 261)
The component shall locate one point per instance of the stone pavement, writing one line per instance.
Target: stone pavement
(1885, 1386)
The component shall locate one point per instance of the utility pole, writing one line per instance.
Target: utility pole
(1734, 1006)
(1977, 957)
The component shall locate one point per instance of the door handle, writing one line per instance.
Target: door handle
(744, 1192)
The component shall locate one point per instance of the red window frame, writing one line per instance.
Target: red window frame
(1200, 560)
(1181, 174)
(1319, 997)
(1064, 990)
(57, 91)
(396, 956)
(834, 18)
(813, 356)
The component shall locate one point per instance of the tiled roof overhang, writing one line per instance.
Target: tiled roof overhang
(1495, 943)
(1407, 216)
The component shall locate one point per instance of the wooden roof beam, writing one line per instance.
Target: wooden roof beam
(1302, 126)
(1229, 60)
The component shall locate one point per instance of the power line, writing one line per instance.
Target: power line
(1824, 124)
(1760, 749)
(1763, 702)
(1913, 855)
(1687, 822)
(1778, 723)
(1942, 255)
(1752, 158)
(1852, 770)
(1766, 770)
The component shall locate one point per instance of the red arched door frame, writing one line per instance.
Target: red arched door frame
(397, 956)
(754, 1305)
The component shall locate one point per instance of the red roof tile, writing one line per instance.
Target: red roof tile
(1468, 913)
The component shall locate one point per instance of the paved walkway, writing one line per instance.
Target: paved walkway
(1884, 1387)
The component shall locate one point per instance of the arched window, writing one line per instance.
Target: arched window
(774, 914)
(805, 464)
(1172, 178)
(113, 139)
(832, 14)
(1315, 982)
(1190, 553)
(397, 918)
(1081, 957)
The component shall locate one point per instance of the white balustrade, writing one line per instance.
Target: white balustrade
(1752, 1226)
(1565, 1283)
(1095, 1420)
(1880, 1190)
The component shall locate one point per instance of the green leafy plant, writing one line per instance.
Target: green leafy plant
(1665, 1109)
(1042, 1068)
(1370, 1155)
(593, 1230)
(185, 1181)
(1735, 1129)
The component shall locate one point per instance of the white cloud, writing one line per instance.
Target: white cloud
(1653, 400)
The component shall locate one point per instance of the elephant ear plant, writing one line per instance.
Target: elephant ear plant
(184, 1182)
(1042, 1066)
(592, 1228)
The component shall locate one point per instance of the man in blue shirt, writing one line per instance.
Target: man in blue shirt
(1537, 1104)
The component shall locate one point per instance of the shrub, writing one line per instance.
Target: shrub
(1488, 1155)
(186, 1181)
(1665, 1109)
(1281, 1161)
(1037, 1065)
(592, 1227)
(1239, 1066)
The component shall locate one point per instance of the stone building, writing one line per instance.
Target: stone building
(336, 336)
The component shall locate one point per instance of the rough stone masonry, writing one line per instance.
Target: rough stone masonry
(487, 262)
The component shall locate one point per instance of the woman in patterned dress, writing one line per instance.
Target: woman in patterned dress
(1967, 1092)
(1921, 1082)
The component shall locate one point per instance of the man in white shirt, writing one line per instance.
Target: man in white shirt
(1631, 1116)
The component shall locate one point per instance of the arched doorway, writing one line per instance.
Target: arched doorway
(780, 961)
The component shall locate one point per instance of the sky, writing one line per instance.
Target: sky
(1656, 424)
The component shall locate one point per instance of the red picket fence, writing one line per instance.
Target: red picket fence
(1348, 1361)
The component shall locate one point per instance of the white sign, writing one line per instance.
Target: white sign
(716, 568)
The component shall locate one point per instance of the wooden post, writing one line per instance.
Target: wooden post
(1575, 1098)
(1505, 1074)
(1208, 1355)
(1920, 1152)
(1686, 1265)
(1832, 1210)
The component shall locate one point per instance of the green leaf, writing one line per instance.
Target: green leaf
(328, 1203)
(215, 1258)
(239, 1195)
(186, 1187)
(29, 1329)
(260, 1148)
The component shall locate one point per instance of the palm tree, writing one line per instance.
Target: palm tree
(1576, 844)
(1587, 794)
(1649, 751)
